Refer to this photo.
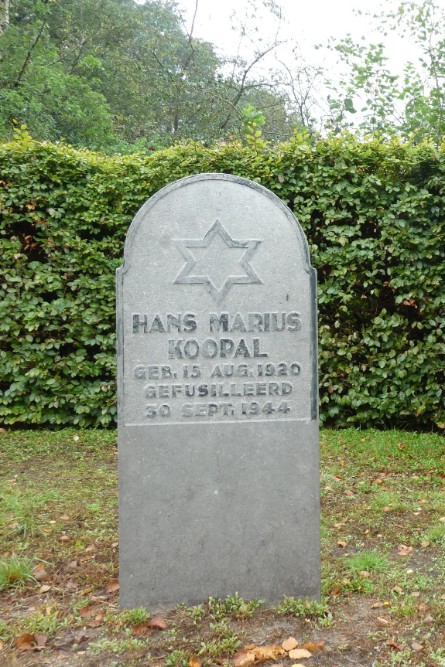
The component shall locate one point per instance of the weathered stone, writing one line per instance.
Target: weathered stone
(218, 425)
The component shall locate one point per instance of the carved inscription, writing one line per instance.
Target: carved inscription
(217, 367)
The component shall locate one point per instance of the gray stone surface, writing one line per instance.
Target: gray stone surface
(218, 423)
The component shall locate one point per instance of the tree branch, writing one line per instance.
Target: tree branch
(28, 56)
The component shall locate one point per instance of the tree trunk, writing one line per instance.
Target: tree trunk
(4, 15)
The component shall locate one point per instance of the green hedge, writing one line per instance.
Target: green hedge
(374, 216)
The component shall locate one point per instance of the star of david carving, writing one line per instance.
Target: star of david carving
(190, 274)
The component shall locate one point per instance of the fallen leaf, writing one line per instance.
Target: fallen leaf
(348, 492)
(404, 550)
(65, 538)
(425, 544)
(428, 619)
(92, 547)
(342, 544)
(40, 638)
(112, 586)
(415, 594)
(253, 654)
(140, 629)
(73, 565)
(299, 653)
(94, 623)
(71, 585)
(243, 659)
(25, 642)
(393, 644)
(382, 621)
(39, 573)
(314, 646)
(157, 623)
(88, 610)
(289, 643)
(65, 517)
(195, 661)
(397, 589)
(44, 589)
(416, 646)
(268, 652)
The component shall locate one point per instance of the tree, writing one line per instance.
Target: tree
(118, 75)
(411, 104)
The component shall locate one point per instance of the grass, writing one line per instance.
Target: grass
(383, 561)
(15, 571)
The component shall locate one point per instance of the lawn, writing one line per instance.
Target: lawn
(383, 579)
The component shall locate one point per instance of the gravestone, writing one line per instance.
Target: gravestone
(217, 377)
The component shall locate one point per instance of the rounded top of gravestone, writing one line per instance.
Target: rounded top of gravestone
(229, 189)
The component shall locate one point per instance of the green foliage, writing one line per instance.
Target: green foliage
(123, 77)
(373, 213)
(232, 605)
(303, 608)
(411, 104)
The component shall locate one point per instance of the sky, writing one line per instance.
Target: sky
(308, 22)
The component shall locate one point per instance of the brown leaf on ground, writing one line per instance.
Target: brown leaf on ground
(87, 611)
(314, 646)
(253, 654)
(269, 652)
(158, 623)
(342, 544)
(382, 621)
(195, 661)
(243, 659)
(404, 550)
(95, 623)
(40, 638)
(289, 643)
(395, 645)
(39, 573)
(348, 492)
(416, 646)
(140, 629)
(26, 641)
(71, 585)
(112, 586)
(299, 653)
(45, 588)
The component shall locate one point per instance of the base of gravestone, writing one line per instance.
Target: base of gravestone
(210, 509)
